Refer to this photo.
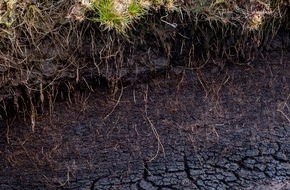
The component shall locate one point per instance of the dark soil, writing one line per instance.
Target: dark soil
(216, 126)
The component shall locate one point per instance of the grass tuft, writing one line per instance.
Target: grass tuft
(108, 17)
(119, 15)
(135, 10)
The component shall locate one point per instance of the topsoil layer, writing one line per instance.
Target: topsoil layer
(215, 126)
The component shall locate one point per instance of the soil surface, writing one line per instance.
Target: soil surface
(216, 126)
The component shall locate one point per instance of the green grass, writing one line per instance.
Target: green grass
(108, 16)
(116, 15)
(135, 10)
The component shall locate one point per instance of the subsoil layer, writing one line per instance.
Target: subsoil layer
(209, 127)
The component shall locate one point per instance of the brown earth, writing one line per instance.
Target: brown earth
(214, 126)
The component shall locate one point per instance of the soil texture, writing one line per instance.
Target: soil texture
(213, 126)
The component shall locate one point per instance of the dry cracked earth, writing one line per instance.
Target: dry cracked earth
(202, 128)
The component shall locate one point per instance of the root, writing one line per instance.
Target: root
(160, 146)
(117, 103)
(284, 109)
